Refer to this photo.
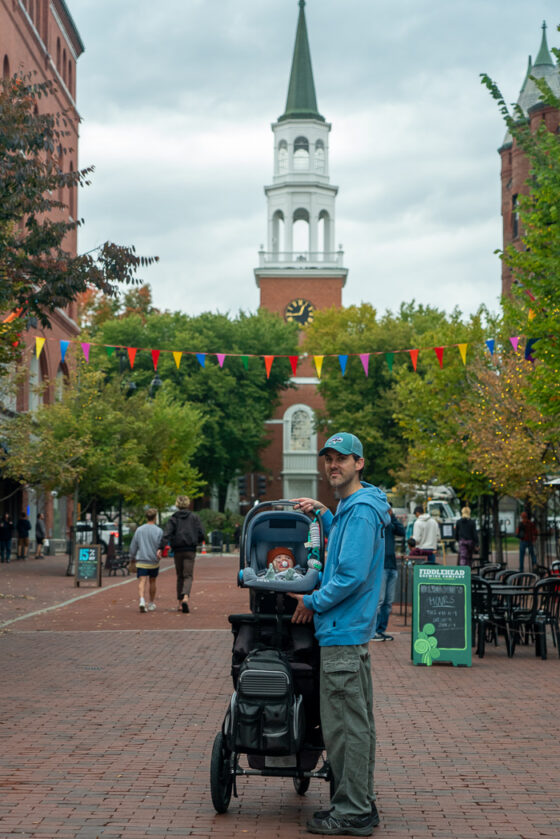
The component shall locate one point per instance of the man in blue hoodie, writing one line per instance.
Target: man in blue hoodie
(344, 610)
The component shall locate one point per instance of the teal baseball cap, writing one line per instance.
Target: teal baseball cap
(344, 443)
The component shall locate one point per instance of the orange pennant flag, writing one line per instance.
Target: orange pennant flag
(439, 352)
(318, 359)
(268, 359)
(463, 351)
(414, 357)
(177, 356)
(39, 344)
(131, 355)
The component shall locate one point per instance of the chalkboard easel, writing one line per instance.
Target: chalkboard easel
(87, 564)
(441, 615)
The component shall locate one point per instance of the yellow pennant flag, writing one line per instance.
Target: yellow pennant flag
(318, 359)
(532, 315)
(463, 351)
(177, 356)
(39, 344)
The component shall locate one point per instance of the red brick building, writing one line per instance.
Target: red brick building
(40, 37)
(515, 166)
(300, 270)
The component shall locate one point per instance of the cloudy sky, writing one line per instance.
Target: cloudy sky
(177, 98)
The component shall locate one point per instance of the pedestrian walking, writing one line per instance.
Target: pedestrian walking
(183, 532)
(527, 534)
(40, 535)
(23, 527)
(389, 582)
(426, 532)
(6, 531)
(344, 612)
(144, 550)
(466, 537)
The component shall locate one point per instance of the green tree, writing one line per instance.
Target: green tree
(37, 272)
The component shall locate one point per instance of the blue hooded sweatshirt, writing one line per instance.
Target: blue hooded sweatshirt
(346, 603)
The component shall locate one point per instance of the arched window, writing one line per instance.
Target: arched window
(319, 156)
(72, 196)
(70, 78)
(278, 232)
(58, 56)
(301, 153)
(301, 430)
(36, 378)
(6, 68)
(300, 234)
(514, 217)
(282, 157)
(324, 242)
(64, 65)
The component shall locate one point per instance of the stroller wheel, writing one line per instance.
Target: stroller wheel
(221, 780)
(301, 785)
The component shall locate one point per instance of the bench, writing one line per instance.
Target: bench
(118, 562)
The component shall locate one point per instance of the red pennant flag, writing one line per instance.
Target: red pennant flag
(414, 357)
(268, 359)
(439, 352)
(131, 355)
(294, 363)
(155, 358)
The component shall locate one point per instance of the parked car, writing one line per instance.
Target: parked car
(84, 532)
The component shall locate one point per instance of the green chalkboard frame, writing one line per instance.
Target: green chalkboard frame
(424, 639)
(87, 564)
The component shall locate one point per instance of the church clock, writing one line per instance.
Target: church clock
(299, 311)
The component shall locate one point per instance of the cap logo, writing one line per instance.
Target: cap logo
(336, 440)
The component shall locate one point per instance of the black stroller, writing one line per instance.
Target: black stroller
(273, 715)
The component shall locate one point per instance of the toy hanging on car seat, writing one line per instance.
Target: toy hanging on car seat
(313, 544)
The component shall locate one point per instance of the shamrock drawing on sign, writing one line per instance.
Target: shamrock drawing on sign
(426, 644)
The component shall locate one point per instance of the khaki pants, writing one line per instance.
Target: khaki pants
(184, 566)
(348, 726)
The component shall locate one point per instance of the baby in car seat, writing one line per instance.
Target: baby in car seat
(280, 565)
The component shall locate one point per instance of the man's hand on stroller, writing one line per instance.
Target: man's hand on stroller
(308, 505)
(302, 614)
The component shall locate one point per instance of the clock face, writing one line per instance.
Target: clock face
(299, 311)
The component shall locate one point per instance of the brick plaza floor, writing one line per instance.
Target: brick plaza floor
(108, 717)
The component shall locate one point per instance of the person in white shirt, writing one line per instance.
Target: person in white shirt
(426, 532)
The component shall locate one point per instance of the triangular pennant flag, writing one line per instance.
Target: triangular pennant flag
(268, 359)
(201, 358)
(85, 350)
(318, 359)
(343, 361)
(294, 363)
(110, 351)
(490, 344)
(177, 356)
(364, 358)
(63, 347)
(463, 351)
(439, 352)
(221, 358)
(529, 349)
(245, 361)
(389, 356)
(131, 355)
(532, 315)
(414, 357)
(155, 358)
(39, 344)
(514, 342)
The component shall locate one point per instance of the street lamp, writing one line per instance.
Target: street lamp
(155, 386)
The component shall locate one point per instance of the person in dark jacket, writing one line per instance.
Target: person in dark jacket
(40, 535)
(466, 537)
(6, 530)
(183, 532)
(527, 534)
(390, 574)
(23, 527)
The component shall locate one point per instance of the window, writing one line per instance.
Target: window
(6, 68)
(300, 233)
(301, 430)
(514, 217)
(282, 157)
(58, 57)
(324, 241)
(301, 153)
(70, 78)
(72, 196)
(278, 232)
(319, 156)
(64, 65)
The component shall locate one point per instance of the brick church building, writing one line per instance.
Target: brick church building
(40, 37)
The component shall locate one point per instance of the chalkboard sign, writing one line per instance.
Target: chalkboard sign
(447, 530)
(88, 564)
(441, 615)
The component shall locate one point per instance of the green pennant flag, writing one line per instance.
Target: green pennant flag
(389, 356)
(245, 361)
(110, 351)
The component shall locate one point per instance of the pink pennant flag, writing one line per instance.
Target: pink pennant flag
(439, 352)
(463, 351)
(515, 342)
(414, 357)
(85, 350)
(221, 358)
(294, 363)
(364, 358)
(155, 358)
(268, 359)
(131, 355)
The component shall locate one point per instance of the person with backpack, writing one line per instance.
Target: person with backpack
(344, 611)
(183, 532)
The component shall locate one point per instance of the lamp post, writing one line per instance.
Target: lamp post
(155, 386)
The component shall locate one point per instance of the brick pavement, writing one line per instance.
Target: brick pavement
(107, 729)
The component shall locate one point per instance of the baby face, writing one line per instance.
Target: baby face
(282, 562)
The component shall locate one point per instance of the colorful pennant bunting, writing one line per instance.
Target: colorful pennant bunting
(343, 361)
(85, 350)
(490, 344)
(201, 358)
(389, 358)
(245, 361)
(514, 342)
(63, 348)
(439, 352)
(414, 357)
(155, 358)
(110, 351)
(221, 356)
(364, 358)
(268, 359)
(131, 355)
(39, 344)
(294, 363)
(177, 356)
(463, 352)
(318, 359)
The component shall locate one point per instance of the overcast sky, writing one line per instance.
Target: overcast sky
(177, 98)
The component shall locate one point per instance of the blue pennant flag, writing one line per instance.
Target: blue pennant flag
(490, 344)
(201, 358)
(343, 361)
(63, 347)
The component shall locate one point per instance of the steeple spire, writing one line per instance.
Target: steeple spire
(302, 101)
(544, 56)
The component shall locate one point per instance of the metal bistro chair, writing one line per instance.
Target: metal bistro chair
(487, 621)
(546, 612)
(488, 572)
(504, 575)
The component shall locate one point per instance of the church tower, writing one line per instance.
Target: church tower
(515, 166)
(301, 269)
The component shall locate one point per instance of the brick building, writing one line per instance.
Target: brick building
(515, 166)
(40, 37)
(300, 270)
